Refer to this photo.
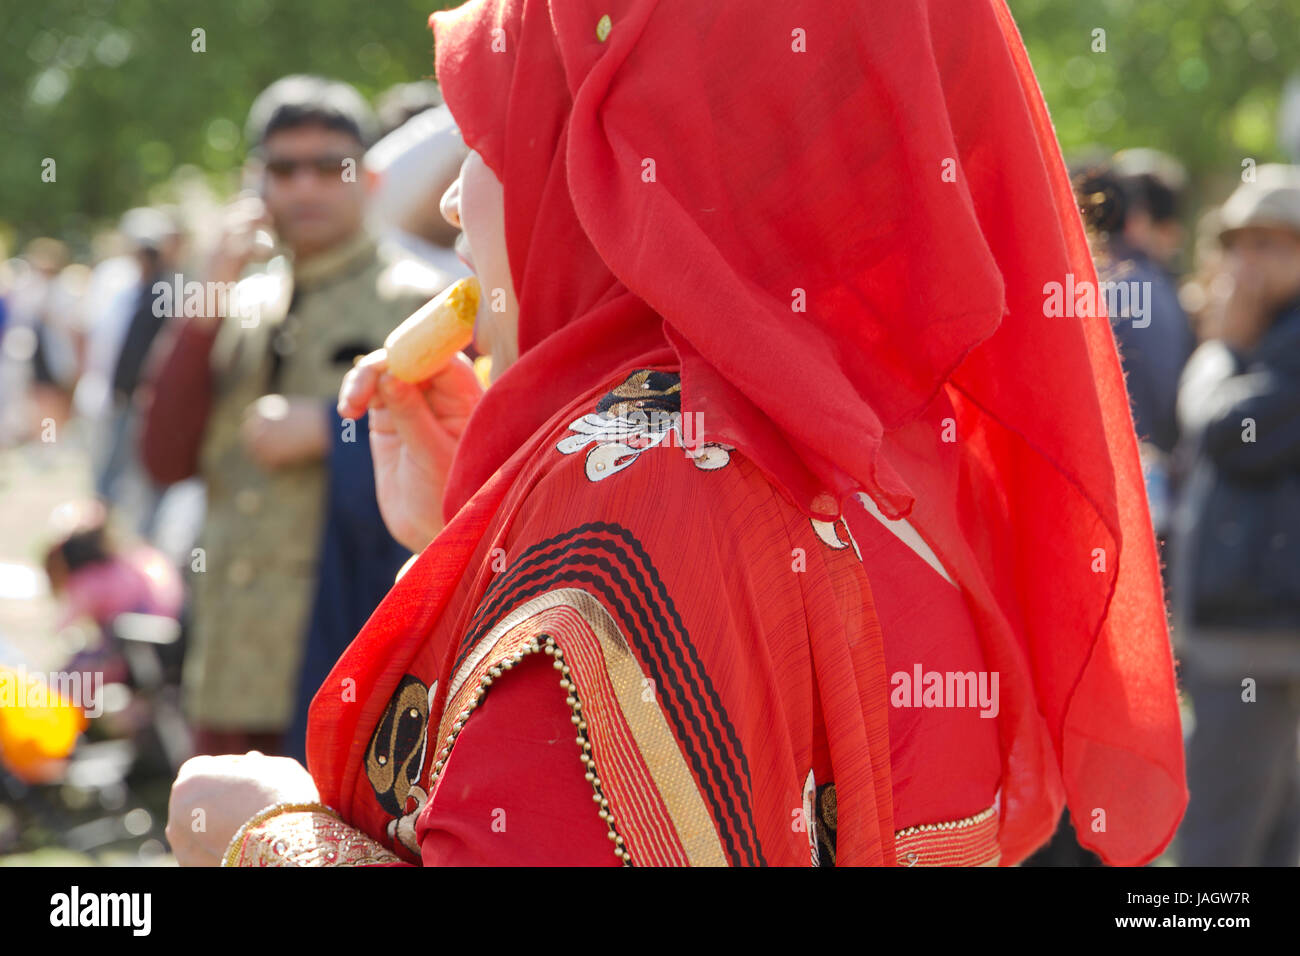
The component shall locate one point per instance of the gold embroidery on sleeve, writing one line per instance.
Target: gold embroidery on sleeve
(970, 841)
(645, 769)
(543, 643)
(303, 835)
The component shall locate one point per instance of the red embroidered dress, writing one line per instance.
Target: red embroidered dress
(786, 576)
(685, 611)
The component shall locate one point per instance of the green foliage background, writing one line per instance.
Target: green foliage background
(1201, 79)
(112, 91)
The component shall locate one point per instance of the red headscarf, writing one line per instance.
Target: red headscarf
(838, 219)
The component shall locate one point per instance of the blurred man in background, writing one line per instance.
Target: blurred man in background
(1236, 555)
(294, 555)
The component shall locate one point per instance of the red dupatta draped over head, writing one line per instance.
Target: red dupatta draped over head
(839, 219)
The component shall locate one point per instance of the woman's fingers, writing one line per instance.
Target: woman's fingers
(407, 413)
(360, 385)
(451, 393)
(455, 387)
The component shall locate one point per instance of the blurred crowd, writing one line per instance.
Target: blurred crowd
(232, 500)
(1211, 355)
(233, 544)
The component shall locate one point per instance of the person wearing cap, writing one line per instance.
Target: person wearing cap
(293, 554)
(1236, 556)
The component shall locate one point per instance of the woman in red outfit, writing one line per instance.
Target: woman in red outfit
(792, 528)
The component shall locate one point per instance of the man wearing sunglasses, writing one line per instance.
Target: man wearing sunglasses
(294, 555)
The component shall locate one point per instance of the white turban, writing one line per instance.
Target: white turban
(422, 154)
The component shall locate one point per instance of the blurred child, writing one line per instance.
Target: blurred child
(95, 580)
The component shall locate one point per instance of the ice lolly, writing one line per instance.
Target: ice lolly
(431, 335)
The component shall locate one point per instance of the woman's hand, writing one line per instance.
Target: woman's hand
(213, 797)
(414, 432)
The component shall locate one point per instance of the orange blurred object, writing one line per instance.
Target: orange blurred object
(35, 738)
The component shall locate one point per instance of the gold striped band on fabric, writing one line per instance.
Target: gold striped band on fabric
(657, 803)
(972, 841)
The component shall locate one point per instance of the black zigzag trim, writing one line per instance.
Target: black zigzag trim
(661, 639)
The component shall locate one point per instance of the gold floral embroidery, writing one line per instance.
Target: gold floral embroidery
(303, 835)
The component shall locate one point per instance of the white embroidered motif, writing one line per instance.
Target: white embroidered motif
(828, 531)
(620, 439)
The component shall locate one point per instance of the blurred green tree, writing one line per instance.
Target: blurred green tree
(1200, 79)
(114, 92)
(117, 93)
